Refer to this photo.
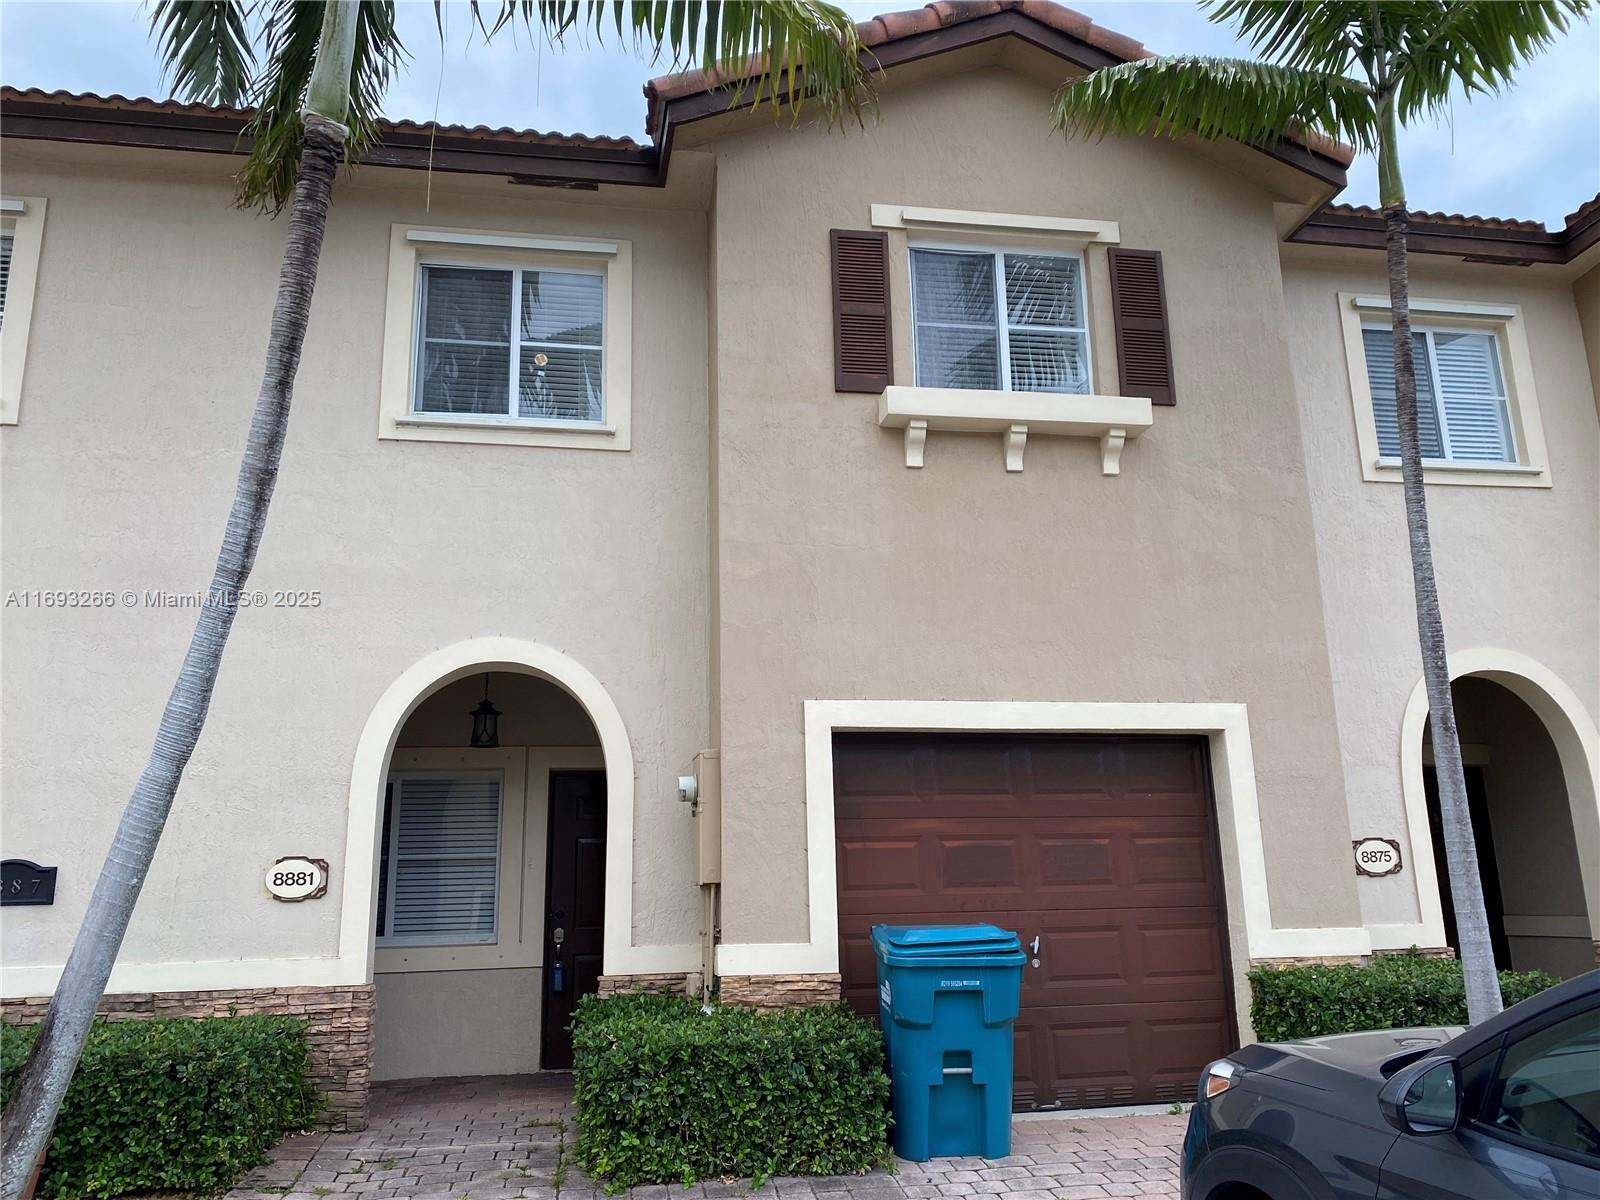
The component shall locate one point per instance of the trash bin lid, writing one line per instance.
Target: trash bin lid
(905, 945)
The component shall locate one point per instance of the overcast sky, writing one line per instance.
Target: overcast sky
(1533, 153)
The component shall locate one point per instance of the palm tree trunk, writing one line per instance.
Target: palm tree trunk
(1461, 853)
(31, 1113)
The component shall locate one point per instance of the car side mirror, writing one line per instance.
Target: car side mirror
(1424, 1098)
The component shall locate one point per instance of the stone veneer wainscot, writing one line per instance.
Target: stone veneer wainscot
(339, 1030)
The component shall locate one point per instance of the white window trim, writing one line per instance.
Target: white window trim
(1507, 324)
(1430, 362)
(507, 419)
(23, 217)
(1002, 325)
(411, 246)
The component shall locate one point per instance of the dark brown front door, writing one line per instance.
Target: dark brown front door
(574, 906)
(1102, 848)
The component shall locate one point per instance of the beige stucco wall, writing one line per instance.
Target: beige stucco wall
(1517, 568)
(446, 1023)
(151, 318)
(844, 575)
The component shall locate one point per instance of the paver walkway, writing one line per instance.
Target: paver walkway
(511, 1136)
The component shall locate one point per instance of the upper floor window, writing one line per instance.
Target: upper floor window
(510, 344)
(1477, 399)
(999, 320)
(507, 338)
(1462, 415)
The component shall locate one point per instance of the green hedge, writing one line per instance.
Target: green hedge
(668, 1092)
(180, 1105)
(1395, 991)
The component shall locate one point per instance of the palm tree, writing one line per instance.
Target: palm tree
(317, 100)
(1356, 70)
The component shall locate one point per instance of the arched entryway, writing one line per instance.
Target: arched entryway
(1528, 753)
(480, 878)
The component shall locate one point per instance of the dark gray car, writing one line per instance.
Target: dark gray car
(1509, 1110)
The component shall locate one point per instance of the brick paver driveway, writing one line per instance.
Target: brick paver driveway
(510, 1137)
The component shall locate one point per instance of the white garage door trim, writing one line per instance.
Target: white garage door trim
(1249, 914)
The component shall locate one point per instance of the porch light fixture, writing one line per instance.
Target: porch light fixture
(485, 721)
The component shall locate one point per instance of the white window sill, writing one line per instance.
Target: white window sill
(1014, 415)
(1480, 474)
(464, 421)
(503, 431)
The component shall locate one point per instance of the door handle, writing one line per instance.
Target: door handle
(1036, 945)
(558, 935)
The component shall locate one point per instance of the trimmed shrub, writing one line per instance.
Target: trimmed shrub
(1392, 992)
(171, 1105)
(668, 1092)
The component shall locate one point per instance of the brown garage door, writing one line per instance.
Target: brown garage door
(1102, 848)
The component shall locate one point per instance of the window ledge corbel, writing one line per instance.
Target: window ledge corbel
(1015, 416)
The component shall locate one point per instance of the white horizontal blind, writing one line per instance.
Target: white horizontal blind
(1466, 368)
(1379, 345)
(953, 305)
(561, 318)
(1046, 336)
(444, 859)
(470, 364)
(5, 271)
(1461, 398)
(961, 341)
(466, 341)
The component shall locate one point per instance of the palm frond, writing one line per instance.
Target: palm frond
(785, 53)
(1311, 35)
(292, 29)
(205, 47)
(1476, 46)
(1216, 99)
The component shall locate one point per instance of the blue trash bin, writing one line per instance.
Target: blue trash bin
(947, 998)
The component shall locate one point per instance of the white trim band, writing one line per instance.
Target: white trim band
(1448, 308)
(508, 241)
(1080, 229)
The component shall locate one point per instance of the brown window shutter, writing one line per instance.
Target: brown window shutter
(1144, 345)
(863, 353)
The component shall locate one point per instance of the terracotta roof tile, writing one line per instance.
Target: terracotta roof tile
(941, 14)
(179, 108)
(1439, 218)
(1587, 208)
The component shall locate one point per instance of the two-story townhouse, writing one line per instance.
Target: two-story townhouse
(972, 523)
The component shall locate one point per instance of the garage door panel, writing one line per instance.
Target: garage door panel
(868, 866)
(1169, 858)
(1103, 848)
(968, 770)
(962, 864)
(1095, 960)
(1121, 1054)
(1066, 861)
(1026, 865)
